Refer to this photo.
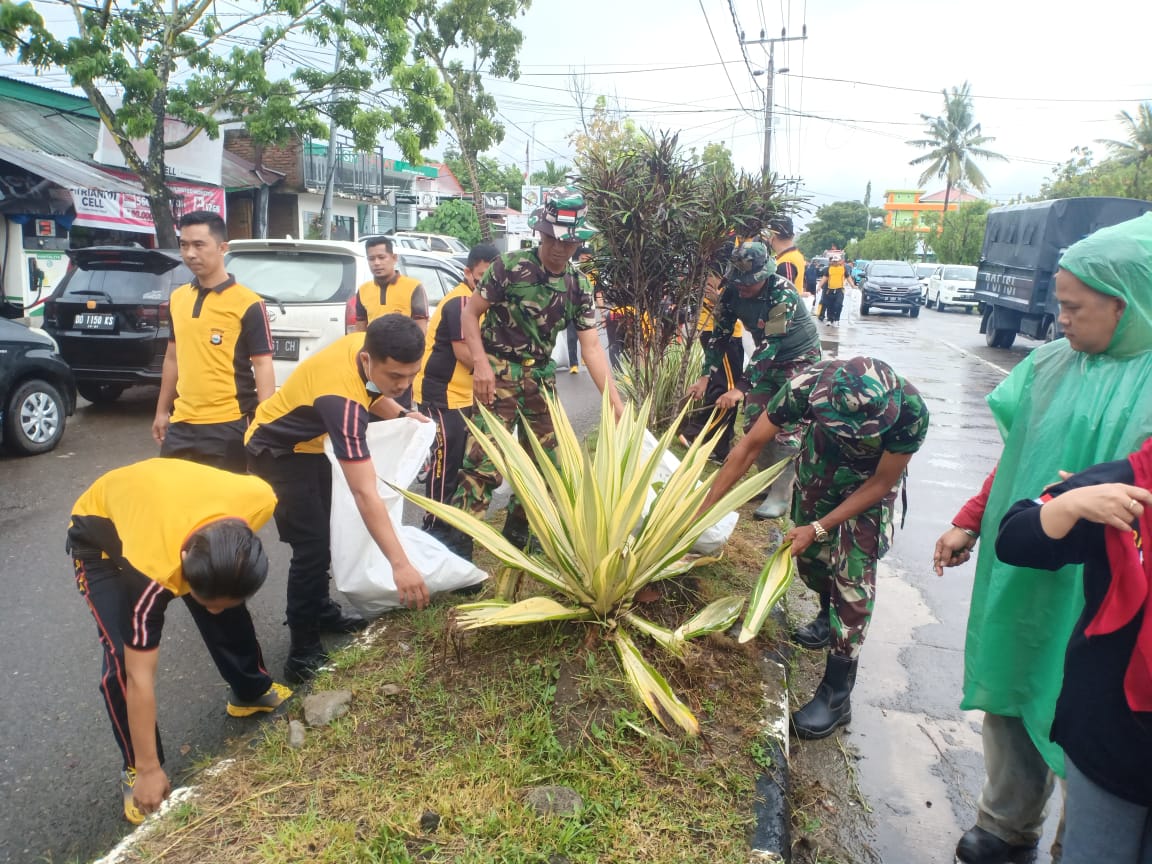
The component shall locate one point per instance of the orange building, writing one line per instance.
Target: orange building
(903, 207)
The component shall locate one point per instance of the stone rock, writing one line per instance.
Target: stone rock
(320, 709)
(296, 734)
(554, 801)
(429, 821)
(391, 689)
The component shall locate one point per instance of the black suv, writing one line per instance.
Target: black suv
(890, 285)
(109, 315)
(36, 390)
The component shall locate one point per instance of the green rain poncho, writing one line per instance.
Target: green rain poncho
(1059, 409)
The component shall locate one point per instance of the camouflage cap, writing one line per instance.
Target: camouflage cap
(856, 398)
(563, 215)
(750, 263)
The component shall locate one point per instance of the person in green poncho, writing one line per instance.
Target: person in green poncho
(1070, 404)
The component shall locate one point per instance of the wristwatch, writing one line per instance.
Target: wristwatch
(821, 532)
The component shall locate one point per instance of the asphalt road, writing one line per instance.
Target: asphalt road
(58, 762)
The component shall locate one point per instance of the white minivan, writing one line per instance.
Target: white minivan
(309, 287)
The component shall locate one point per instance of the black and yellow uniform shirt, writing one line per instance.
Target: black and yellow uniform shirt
(141, 516)
(835, 276)
(790, 265)
(326, 395)
(398, 293)
(443, 380)
(217, 331)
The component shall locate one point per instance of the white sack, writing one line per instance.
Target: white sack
(359, 568)
(714, 538)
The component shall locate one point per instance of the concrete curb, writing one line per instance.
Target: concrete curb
(772, 808)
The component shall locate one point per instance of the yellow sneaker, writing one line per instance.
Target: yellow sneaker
(573, 370)
(127, 783)
(272, 699)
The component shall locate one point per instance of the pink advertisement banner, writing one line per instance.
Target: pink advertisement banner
(97, 208)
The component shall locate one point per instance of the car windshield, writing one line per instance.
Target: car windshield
(960, 274)
(894, 268)
(295, 277)
(123, 286)
(923, 271)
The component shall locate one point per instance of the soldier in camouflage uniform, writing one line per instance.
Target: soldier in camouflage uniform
(787, 343)
(526, 298)
(862, 422)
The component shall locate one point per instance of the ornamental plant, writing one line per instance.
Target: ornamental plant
(607, 529)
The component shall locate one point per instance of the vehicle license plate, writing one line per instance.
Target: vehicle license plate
(95, 321)
(285, 348)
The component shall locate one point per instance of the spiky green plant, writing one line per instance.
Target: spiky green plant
(601, 542)
(663, 384)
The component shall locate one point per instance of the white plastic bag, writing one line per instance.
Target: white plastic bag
(361, 572)
(715, 537)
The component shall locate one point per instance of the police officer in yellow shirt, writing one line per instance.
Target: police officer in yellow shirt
(390, 290)
(218, 365)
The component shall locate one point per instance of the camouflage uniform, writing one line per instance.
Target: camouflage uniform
(787, 341)
(529, 307)
(841, 448)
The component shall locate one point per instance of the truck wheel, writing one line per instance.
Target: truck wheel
(996, 338)
(1050, 332)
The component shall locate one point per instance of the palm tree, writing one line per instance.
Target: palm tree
(954, 142)
(551, 175)
(1138, 148)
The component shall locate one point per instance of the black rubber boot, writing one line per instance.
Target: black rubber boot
(817, 633)
(516, 532)
(978, 846)
(831, 707)
(333, 619)
(306, 655)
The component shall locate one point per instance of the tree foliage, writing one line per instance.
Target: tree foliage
(481, 32)
(833, 226)
(886, 244)
(185, 62)
(552, 174)
(1136, 151)
(664, 220)
(954, 142)
(717, 158)
(604, 135)
(963, 236)
(455, 218)
(492, 175)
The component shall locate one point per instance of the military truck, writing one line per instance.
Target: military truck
(1022, 244)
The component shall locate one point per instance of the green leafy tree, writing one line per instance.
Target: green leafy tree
(886, 244)
(551, 175)
(492, 175)
(1082, 176)
(604, 134)
(954, 142)
(456, 218)
(182, 61)
(467, 40)
(717, 159)
(963, 236)
(833, 226)
(1137, 150)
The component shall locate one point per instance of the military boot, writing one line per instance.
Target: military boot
(779, 497)
(516, 531)
(816, 633)
(306, 655)
(831, 707)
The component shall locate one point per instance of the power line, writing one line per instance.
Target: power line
(973, 96)
(716, 45)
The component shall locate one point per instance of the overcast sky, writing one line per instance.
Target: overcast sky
(1045, 76)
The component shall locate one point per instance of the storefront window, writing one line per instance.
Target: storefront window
(343, 227)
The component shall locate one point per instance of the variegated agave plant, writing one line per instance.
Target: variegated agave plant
(601, 544)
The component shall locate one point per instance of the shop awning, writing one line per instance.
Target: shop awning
(66, 172)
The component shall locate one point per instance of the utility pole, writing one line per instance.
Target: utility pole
(330, 183)
(768, 95)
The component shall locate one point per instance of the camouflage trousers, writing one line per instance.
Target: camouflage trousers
(845, 569)
(519, 402)
(766, 378)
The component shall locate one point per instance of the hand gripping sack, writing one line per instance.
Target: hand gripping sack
(359, 568)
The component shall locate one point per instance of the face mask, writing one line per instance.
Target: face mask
(369, 385)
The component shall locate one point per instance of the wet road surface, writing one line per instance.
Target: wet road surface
(921, 765)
